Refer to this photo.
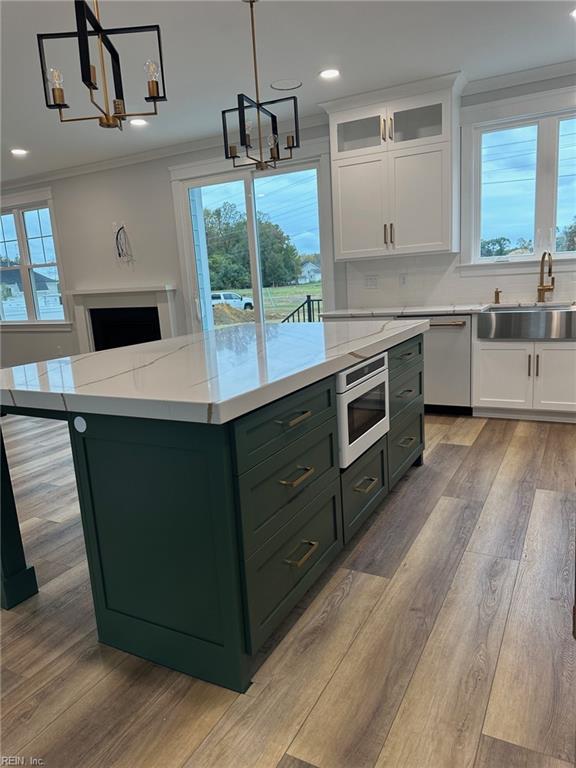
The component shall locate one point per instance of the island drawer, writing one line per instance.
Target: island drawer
(405, 441)
(405, 355)
(364, 485)
(271, 428)
(405, 389)
(274, 491)
(281, 572)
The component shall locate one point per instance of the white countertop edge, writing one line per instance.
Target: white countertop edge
(203, 412)
(449, 309)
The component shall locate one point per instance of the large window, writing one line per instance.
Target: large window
(527, 190)
(257, 247)
(29, 278)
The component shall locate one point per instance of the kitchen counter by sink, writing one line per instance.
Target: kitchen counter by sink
(446, 309)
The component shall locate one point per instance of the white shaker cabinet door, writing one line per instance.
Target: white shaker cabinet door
(503, 374)
(555, 376)
(360, 201)
(420, 199)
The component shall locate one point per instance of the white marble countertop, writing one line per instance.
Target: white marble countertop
(210, 377)
(446, 309)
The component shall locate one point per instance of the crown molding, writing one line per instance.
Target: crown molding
(170, 150)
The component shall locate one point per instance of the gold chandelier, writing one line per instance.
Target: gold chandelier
(112, 110)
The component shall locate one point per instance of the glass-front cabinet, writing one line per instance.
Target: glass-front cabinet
(403, 123)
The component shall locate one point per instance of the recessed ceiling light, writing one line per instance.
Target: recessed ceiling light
(330, 74)
(286, 85)
(138, 122)
(573, 13)
(19, 152)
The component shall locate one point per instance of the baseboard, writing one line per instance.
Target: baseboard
(526, 415)
(456, 410)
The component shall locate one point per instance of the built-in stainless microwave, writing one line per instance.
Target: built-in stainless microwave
(363, 411)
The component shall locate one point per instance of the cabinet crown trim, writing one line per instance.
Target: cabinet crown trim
(453, 80)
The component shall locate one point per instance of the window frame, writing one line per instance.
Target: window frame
(17, 205)
(248, 177)
(546, 109)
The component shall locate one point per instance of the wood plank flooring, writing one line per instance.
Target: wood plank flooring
(441, 638)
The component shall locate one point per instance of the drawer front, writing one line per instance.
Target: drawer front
(404, 355)
(405, 441)
(364, 485)
(275, 490)
(271, 428)
(280, 573)
(405, 389)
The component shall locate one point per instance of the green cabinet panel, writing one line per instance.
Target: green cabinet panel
(269, 429)
(364, 485)
(405, 441)
(159, 518)
(405, 389)
(272, 492)
(404, 355)
(280, 572)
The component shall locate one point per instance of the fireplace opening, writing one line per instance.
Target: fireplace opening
(123, 326)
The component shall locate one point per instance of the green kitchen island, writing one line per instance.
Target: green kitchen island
(208, 477)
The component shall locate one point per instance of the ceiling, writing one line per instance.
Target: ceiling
(207, 61)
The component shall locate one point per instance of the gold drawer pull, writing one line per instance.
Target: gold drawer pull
(360, 488)
(308, 472)
(294, 421)
(405, 392)
(313, 546)
(407, 355)
(449, 324)
(406, 442)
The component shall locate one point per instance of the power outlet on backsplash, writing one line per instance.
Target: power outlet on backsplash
(402, 278)
(371, 281)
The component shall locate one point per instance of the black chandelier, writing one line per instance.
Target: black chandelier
(263, 150)
(88, 25)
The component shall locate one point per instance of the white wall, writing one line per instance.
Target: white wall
(436, 279)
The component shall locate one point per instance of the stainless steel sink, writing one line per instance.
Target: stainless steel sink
(533, 323)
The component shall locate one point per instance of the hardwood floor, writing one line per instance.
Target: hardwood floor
(441, 638)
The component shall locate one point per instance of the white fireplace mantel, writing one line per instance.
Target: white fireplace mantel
(85, 299)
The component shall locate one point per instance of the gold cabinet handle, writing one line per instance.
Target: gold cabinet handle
(307, 472)
(391, 233)
(407, 355)
(529, 366)
(295, 420)
(537, 365)
(385, 234)
(383, 128)
(363, 488)
(406, 442)
(312, 547)
(405, 392)
(391, 132)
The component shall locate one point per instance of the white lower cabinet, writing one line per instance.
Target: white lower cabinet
(555, 376)
(526, 375)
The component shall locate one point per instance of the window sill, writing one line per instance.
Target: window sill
(34, 326)
(516, 266)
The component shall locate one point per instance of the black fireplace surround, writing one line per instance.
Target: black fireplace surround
(123, 326)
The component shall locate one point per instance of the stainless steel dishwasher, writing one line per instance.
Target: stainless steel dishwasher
(447, 360)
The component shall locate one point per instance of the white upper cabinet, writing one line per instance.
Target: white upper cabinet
(358, 132)
(418, 120)
(414, 206)
(419, 196)
(360, 200)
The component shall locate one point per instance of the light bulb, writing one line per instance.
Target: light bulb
(152, 70)
(55, 78)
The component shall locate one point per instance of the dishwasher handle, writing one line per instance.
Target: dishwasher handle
(449, 324)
